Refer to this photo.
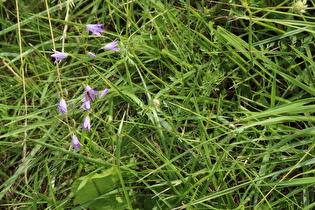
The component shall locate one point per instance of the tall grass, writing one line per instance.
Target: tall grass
(210, 105)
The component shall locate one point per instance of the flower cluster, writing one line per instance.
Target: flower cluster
(96, 30)
(300, 6)
(89, 93)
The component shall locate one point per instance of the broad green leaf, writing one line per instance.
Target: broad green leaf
(87, 188)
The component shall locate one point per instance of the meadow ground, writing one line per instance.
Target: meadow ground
(209, 105)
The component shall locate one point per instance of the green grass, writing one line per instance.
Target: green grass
(210, 105)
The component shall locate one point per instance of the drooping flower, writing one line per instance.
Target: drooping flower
(95, 28)
(112, 46)
(86, 123)
(62, 106)
(91, 55)
(58, 55)
(75, 143)
(104, 93)
(86, 105)
(89, 93)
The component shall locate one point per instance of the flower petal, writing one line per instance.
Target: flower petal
(75, 143)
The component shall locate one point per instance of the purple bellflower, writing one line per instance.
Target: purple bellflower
(86, 105)
(95, 28)
(58, 55)
(89, 93)
(91, 55)
(75, 143)
(86, 123)
(62, 106)
(104, 93)
(112, 46)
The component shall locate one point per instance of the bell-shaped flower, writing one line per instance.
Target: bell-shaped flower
(75, 143)
(91, 55)
(104, 92)
(89, 93)
(112, 46)
(58, 55)
(62, 106)
(95, 28)
(86, 123)
(86, 105)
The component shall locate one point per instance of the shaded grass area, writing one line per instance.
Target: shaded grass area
(210, 105)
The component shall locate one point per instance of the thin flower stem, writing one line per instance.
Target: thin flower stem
(50, 25)
(64, 34)
(54, 45)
